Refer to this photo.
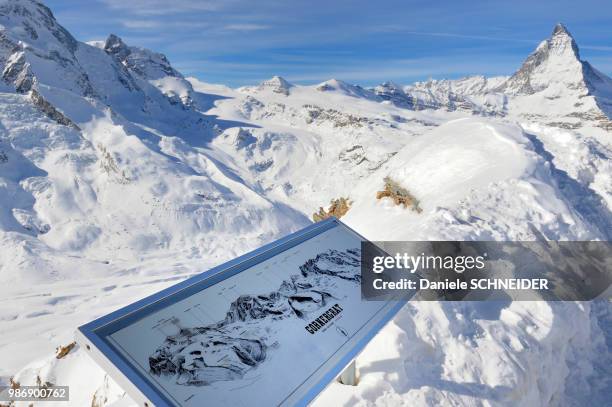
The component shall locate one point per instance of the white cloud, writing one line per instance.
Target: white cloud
(595, 47)
(161, 7)
(245, 27)
(364, 72)
(145, 24)
(142, 24)
(402, 30)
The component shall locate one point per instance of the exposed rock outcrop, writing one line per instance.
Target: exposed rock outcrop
(399, 195)
(337, 208)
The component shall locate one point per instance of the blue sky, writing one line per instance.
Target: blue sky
(238, 42)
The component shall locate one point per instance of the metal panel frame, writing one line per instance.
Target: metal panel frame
(93, 336)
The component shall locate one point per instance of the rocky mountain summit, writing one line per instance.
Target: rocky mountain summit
(31, 38)
(38, 55)
(552, 82)
(275, 84)
(555, 62)
(556, 74)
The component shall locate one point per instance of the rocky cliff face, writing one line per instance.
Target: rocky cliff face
(37, 53)
(151, 67)
(34, 47)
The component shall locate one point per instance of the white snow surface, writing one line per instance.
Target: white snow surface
(157, 177)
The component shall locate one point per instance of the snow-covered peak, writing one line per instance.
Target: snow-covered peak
(562, 42)
(115, 46)
(554, 65)
(33, 23)
(276, 84)
(37, 54)
(145, 63)
(36, 49)
(276, 81)
(554, 82)
(152, 67)
(469, 85)
(335, 85)
(473, 93)
(389, 85)
(560, 29)
(393, 93)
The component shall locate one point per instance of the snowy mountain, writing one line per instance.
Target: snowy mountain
(119, 176)
(555, 66)
(554, 79)
(473, 94)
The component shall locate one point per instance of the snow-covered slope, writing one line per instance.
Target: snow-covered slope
(495, 184)
(101, 173)
(118, 177)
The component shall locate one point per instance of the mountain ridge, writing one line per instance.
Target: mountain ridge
(136, 65)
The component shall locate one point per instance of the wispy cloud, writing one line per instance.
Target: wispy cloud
(142, 24)
(245, 27)
(157, 24)
(470, 37)
(403, 30)
(164, 7)
(603, 64)
(241, 41)
(402, 70)
(597, 47)
(412, 69)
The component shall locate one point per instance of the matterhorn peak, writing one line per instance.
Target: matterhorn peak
(561, 41)
(555, 62)
(560, 29)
